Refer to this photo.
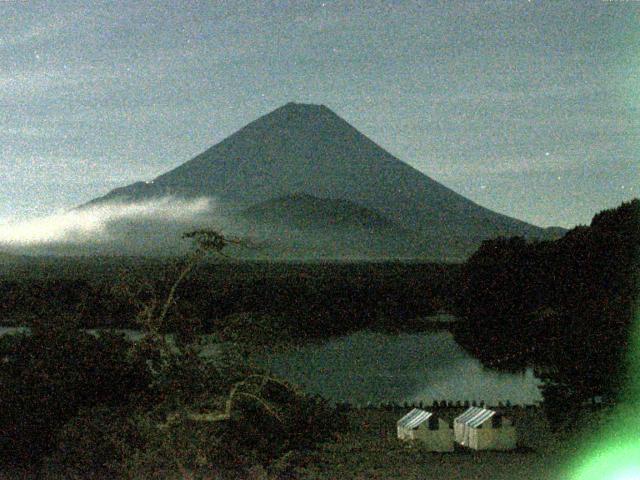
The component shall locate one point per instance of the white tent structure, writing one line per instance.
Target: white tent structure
(482, 429)
(433, 432)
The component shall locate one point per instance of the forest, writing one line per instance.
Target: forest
(564, 306)
(77, 404)
(305, 300)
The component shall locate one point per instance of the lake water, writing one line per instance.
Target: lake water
(374, 367)
(5, 330)
(130, 334)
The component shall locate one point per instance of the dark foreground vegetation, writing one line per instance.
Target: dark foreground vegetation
(563, 306)
(75, 405)
(78, 405)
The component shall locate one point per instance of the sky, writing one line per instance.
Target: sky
(529, 108)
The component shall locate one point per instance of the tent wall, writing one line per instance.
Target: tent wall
(406, 433)
(458, 432)
(486, 437)
(492, 438)
(440, 440)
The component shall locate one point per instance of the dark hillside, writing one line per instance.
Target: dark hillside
(303, 226)
(565, 306)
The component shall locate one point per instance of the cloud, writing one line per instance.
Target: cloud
(99, 223)
(42, 31)
(543, 163)
(50, 80)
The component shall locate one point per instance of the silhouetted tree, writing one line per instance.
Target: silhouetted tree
(47, 375)
(564, 306)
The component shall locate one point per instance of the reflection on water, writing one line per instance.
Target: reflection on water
(133, 335)
(5, 330)
(373, 367)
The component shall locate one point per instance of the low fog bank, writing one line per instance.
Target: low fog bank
(154, 228)
(118, 228)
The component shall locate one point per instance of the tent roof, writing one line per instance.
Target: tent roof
(414, 418)
(475, 416)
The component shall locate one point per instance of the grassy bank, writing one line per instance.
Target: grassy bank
(370, 450)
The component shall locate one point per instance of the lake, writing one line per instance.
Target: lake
(375, 367)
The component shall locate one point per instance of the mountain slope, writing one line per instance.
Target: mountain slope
(309, 149)
(303, 226)
(306, 212)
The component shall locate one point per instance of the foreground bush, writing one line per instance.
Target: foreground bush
(260, 421)
(103, 407)
(48, 375)
(95, 444)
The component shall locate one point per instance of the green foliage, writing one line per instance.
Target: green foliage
(96, 444)
(565, 306)
(319, 300)
(209, 241)
(49, 374)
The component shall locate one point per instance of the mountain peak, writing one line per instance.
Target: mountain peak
(303, 110)
(302, 148)
(303, 106)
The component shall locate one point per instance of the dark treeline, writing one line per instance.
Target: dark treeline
(564, 306)
(315, 300)
(78, 405)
